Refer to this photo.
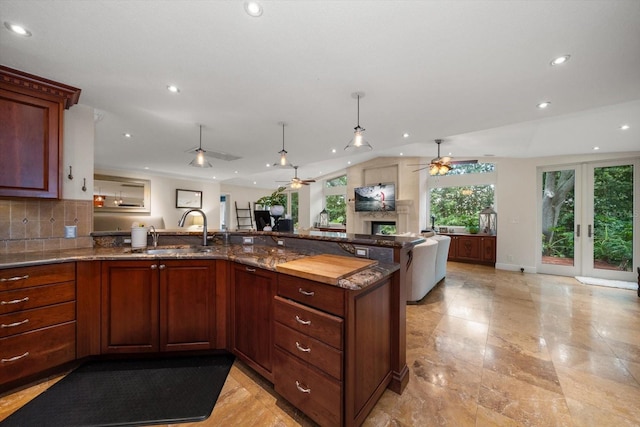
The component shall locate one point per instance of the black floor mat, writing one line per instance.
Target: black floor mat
(129, 392)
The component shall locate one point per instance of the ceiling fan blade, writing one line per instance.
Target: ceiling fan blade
(463, 162)
(424, 167)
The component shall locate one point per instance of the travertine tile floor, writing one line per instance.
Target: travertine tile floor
(485, 348)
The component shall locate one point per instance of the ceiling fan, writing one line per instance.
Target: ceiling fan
(297, 182)
(442, 165)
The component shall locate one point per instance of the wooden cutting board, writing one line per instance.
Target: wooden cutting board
(325, 268)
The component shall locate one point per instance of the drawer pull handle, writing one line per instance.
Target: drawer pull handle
(303, 349)
(302, 322)
(306, 293)
(11, 325)
(302, 389)
(13, 359)
(250, 270)
(15, 301)
(13, 279)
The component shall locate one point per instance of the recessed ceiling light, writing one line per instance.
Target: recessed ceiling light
(560, 60)
(213, 177)
(253, 8)
(268, 165)
(349, 162)
(624, 127)
(173, 89)
(596, 148)
(405, 135)
(333, 150)
(235, 171)
(126, 135)
(17, 29)
(254, 183)
(146, 167)
(543, 105)
(401, 154)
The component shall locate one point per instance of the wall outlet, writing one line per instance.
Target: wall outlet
(70, 231)
(362, 252)
(247, 240)
(280, 242)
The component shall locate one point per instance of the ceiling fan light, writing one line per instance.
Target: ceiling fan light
(433, 170)
(443, 169)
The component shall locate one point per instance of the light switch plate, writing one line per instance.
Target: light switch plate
(248, 240)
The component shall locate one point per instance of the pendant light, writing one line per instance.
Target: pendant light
(358, 142)
(200, 161)
(282, 162)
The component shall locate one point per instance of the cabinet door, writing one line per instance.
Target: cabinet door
(489, 249)
(129, 306)
(252, 293)
(453, 248)
(30, 137)
(187, 305)
(468, 248)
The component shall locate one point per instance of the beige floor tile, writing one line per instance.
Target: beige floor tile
(484, 348)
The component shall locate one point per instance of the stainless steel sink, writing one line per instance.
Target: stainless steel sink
(169, 251)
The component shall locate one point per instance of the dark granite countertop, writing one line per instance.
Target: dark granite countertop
(261, 256)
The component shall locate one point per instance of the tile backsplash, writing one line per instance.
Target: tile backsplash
(29, 225)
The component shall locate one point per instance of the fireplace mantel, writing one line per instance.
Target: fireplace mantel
(401, 216)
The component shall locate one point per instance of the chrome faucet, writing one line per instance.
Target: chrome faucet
(204, 223)
(154, 235)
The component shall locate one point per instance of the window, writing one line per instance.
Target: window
(460, 206)
(294, 208)
(456, 199)
(335, 196)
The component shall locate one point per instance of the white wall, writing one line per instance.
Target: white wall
(77, 152)
(244, 197)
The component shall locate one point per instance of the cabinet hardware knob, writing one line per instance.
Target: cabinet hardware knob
(13, 359)
(303, 349)
(306, 293)
(154, 266)
(250, 270)
(11, 325)
(162, 267)
(15, 301)
(302, 322)
(13, 279)
(302, 389)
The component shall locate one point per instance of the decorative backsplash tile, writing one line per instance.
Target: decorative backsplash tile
(36, 225)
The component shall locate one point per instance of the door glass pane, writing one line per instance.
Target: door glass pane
(613, 218)
(558, 217)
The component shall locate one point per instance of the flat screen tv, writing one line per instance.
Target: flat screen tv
(376, 198)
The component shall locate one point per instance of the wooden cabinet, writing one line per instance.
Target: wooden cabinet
(31, 118)
(473, 248)
(164, 305)
(37, 319)
(333, 348)
(252, 293)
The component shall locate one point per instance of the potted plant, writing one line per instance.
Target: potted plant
(472, 225)
(277, 198)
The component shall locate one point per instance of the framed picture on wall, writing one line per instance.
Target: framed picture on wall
(188, 199)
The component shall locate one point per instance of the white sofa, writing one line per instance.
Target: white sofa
(427, 267)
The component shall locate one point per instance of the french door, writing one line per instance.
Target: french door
(588, 219)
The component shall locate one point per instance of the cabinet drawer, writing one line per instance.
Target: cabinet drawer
(316, 324)
(22, 277)
(25, 354)
(28, 320)
(315, 394)
(318, 295)
(315, 352)
(37, 296)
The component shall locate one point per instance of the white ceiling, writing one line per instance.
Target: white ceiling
(470, 72)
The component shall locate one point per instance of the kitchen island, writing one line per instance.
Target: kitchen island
(245, 306)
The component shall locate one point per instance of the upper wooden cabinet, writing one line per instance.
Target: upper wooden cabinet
(31, 118)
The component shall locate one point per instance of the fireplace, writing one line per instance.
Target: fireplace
(383, 227)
